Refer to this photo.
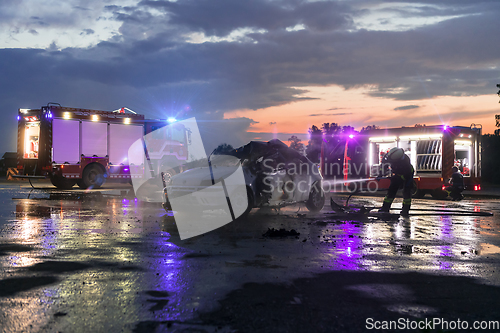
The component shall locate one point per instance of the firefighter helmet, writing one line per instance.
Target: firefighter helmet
(395, 154)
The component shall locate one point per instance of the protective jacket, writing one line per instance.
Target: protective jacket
(401, 166)
(457, 180)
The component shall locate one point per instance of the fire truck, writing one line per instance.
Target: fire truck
(85, 147)
(356, 159)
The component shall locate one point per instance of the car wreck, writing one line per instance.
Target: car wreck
(273, 175)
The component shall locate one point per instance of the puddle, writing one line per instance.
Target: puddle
(487, 248)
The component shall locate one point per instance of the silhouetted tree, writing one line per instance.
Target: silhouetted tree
(296, 144)
(369, 128)
(313, 148)
(331, 133)
(223, 148)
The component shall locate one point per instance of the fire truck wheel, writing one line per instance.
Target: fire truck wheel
(167, 176)
(62, 183)
(93, 176)
(316, 199)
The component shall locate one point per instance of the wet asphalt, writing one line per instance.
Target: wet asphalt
(103, 262)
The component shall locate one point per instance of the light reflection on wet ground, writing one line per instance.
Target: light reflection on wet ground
(103, 262)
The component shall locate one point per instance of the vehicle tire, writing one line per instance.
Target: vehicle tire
(93, 176)
(316, 199)
(439, 194)
(62, 183)
(237, 201)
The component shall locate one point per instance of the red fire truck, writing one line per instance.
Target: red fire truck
(81, 146)
(433, 150)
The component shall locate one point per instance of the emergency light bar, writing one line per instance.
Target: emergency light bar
(31, 118)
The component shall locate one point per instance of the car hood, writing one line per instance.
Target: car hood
(202, 176)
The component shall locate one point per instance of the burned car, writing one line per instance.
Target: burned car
(272, 175)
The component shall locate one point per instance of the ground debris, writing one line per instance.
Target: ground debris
(272, 232)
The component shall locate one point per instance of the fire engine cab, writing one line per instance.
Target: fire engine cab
(81, 146)
(433, 151)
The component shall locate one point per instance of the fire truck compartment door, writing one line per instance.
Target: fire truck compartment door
(94, 139)
(121, 138)
(65, 140)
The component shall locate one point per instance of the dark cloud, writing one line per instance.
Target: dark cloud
(406, 107)
(151, 68)
(16, 15)
(87, 32)
(220, 17)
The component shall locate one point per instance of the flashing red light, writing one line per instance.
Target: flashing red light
(443, 187)
(477, 187)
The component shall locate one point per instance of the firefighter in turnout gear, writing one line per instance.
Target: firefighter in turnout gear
(402, 176)
(457, 185)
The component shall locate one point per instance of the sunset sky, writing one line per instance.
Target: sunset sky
(255, 69)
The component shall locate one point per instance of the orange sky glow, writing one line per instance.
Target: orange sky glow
(356, 108)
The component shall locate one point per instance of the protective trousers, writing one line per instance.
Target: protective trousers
(398, 181)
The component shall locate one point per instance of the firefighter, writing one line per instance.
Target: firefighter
(457, 185)
(402, 176)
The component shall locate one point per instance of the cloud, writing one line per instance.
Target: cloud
(87, 32)
(231, 131)
(329, 114)
(406, 107)
(220, 17)
(152, 65)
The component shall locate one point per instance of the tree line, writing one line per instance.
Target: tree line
(330, 133)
